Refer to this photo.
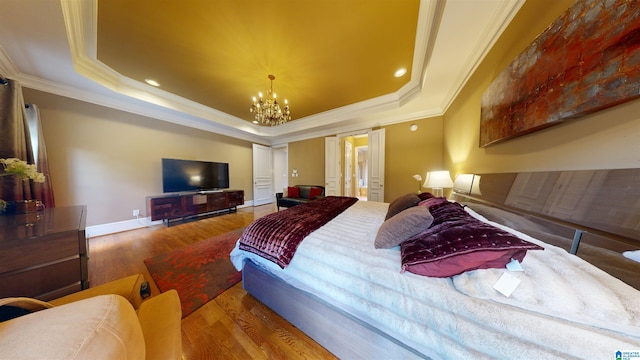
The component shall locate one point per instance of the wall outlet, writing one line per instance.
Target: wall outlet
(136, 212)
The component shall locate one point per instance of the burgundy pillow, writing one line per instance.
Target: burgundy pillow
(293, 192)
(402, 203)
(433, 202)
(403, 226)
(425, 195)
(313, 192)
(457, 242)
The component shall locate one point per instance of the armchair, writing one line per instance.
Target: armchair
(110, 321)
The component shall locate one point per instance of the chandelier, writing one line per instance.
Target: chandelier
(268, 111)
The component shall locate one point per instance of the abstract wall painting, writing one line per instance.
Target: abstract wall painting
(585, 61)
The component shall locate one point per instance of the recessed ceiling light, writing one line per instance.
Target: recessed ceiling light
(400, 72)
(152, 82)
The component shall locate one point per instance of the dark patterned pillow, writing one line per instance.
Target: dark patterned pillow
(402, 203)
(403, 226)
(457, 242)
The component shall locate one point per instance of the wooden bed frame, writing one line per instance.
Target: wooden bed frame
(565, 201)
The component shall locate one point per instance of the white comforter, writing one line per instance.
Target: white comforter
(563, 308)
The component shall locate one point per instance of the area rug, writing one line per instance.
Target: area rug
(199, 272)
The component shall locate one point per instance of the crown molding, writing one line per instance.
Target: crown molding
(500, 20)
(7, 67)
(119, 102)
(431, 13)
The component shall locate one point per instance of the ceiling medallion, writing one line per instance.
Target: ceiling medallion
(268, 112)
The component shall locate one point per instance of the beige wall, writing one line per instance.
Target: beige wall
(308, 157)
(109, 160)
(411, 152)
(406, 153)
(604, 140)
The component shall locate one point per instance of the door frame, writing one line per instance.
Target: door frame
(379, 193)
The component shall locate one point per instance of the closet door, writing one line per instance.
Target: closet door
(262, 176)
(332, 166)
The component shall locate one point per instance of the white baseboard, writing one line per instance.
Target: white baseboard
(120, 226)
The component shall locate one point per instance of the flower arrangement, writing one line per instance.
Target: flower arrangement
(22, 170)
(418, 178)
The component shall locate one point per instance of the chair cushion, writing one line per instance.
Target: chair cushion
(160, 318)
(128, 287)
(101, 327)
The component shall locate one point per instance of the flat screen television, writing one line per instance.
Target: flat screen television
(193, 175)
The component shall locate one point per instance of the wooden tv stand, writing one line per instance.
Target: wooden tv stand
(174, 207)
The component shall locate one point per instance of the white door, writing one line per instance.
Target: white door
(331, 166)
(262, 178)
(376, 166)
(348, 168)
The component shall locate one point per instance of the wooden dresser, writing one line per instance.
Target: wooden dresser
(44, 254)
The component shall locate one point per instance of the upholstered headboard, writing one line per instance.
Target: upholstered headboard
(603, 202)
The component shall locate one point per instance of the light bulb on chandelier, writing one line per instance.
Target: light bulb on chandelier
(267, 111)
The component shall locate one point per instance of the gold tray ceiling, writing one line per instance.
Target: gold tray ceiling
(325, 54)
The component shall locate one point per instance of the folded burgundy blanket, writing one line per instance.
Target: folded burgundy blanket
(276, 236)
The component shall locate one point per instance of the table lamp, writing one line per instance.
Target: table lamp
(438, 180)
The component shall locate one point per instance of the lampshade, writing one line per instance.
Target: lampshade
(463, 183)
(437, 180)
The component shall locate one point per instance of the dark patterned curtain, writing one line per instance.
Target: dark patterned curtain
(16, 142)
(41, 191)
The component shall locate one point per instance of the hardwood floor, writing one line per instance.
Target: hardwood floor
(234, 325)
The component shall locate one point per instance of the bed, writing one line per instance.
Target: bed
(357, 301)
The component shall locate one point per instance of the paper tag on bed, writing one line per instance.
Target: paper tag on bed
(507, 284)
(514, 265)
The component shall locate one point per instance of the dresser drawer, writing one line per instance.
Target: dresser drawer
(23, 253)
(38, 281)
(236, 198)
(165, 207)
(44, 254)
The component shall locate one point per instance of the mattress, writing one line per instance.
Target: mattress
(563, 307)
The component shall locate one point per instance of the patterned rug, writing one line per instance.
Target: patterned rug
(199, 272)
